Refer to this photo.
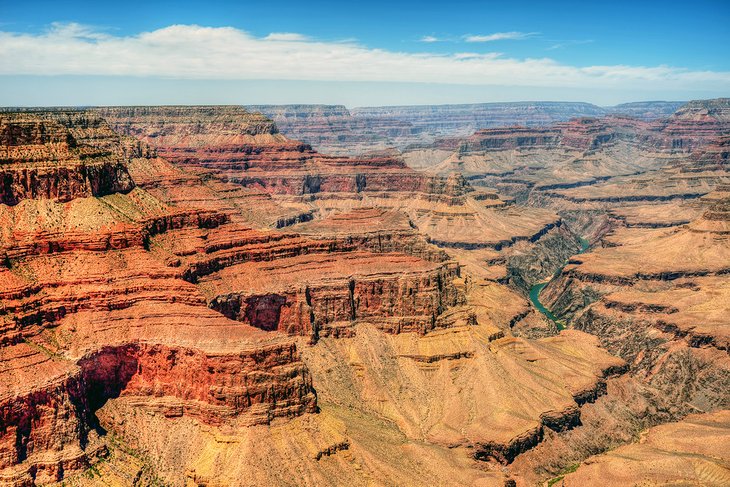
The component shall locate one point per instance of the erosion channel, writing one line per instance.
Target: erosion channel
(535, 290)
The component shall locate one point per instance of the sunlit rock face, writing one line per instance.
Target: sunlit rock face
(691, 451)
(651, 194)
(51, 158)
(90, 312)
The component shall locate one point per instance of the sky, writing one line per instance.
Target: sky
(361, 53)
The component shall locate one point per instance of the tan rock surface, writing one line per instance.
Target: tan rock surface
(690, 452)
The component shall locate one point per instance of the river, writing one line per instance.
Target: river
(535, 290)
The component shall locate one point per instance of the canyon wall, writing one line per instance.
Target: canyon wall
(335, 129)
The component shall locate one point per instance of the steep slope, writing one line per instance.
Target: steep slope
(45, 159)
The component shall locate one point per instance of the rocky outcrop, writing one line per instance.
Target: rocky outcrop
(178, 123)
(50, 158)
(694, 125)
(510, 138)
(375, 229)
(586, 133)
(315, 296)
(49, 421)
(535, 263)
(713, 157)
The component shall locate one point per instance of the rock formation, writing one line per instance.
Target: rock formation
(333, 129)
(49, 159)
(89, 313)
(190, 276)
(655, 296)
(652, 197)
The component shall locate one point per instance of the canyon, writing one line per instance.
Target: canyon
(311, 295)
(334, 129)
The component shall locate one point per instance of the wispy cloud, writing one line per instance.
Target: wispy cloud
(499, 36)
(226, 53)
(73, 29)
(429, 39)
(474, 55)
(562, 44)
(286, 36)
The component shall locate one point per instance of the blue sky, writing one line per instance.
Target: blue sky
(361, 53)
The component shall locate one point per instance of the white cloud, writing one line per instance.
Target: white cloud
(474, 55)
(72, 29)
(286, 36)
(429, 39)
(562, 44)
(226, 53)
(499, 36)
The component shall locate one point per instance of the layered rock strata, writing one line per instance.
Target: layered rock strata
(657, 298)
(46, 158)
(584, 154)
(315, 296)
(259, 157)
(651, 197)
(179, 313)
(89, 314)
(333, 129)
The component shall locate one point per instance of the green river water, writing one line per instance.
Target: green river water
(535, 291)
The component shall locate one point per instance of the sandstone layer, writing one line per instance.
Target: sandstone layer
(89, 313)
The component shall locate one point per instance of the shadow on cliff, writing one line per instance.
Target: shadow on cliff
(104, 375)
